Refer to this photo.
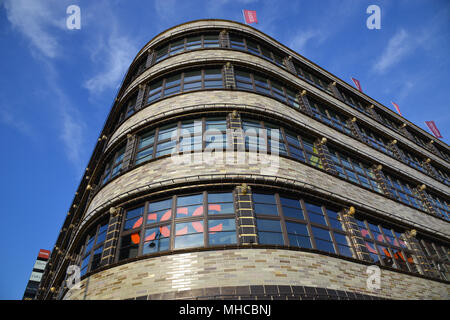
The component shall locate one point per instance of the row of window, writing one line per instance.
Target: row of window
(208, 219)
(241, 42)
(211, 133)
(246, 80)
(339, 122)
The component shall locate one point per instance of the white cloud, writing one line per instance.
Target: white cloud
(36, 20)
(111, 50)
(11, 120)
(299, 42)
(398, 47)
(116, 55)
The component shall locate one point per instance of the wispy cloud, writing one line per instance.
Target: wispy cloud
(300, 40)
(116, 54)
(35, 20)
(109, 48)
(400, 44)
(39, 22)
(9, 119)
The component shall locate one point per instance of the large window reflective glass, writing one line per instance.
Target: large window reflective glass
(190, 206)
(222, 231)
(265, 204)
(269, 231)
(189, 234)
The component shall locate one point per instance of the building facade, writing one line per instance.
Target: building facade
(36, 275)
(230, 166)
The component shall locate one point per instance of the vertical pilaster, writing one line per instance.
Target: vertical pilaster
(140, 97)
(150, 58)
(236, 132)
(246, 220)
(128, 155)
(303, 102)
(325, 156)
(430, 146)
(228, 71)
(422, 263)
(335, 91)
(224, 39)
(112, 236)
(425, 199)
(392, 145)
(351, 123)
(430, 169)
(381, 179)
(289, 64)
(373, 113)
(347, 218)
(404, 131)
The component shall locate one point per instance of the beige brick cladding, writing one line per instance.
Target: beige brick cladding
(252, 101)
(240, 267)
(297, 174)
(237, 56)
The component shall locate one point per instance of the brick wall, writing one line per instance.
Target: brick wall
(247, 267)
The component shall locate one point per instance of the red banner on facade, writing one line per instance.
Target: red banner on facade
(433, 129)
(44, 254)
(397, 108)
(357, 84)
(250, 16)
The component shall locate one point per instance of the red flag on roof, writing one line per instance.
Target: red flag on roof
(250, 16)
(433, 129)
(357, 84)
(397, 108)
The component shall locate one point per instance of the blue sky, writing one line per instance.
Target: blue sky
(57, 85)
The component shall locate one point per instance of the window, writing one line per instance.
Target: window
(156, 239)
(315, 213)
(211, 41)
(269, 231)
(189, 234)
(190, 206)
(265, 204)
(145, 147)
(329, 116)
(209, 78)
(354, 170)
(92, 251)
(323, 240)
(178, 222)
(291, 208)
(298, 235)
(312, 77)
(220, 203)
(237, 42)
(312, 154)
(221, 231)
(440, 206)
(403, 192)
(114, 166)
(294, 146)
(166, 142)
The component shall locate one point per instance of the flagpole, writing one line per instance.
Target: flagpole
(243, 15)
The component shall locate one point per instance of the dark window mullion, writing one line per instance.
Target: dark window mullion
(142, 231)
(308, 224)
(389, 247)
(327, 220)
(172, 222)
(282, 220)
(374, 241)
(155, 142)
(283, 137)
(205, 220)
